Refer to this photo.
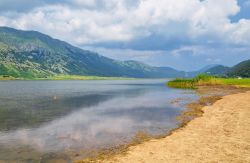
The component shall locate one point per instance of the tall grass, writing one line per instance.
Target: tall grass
(67, 77)
(182, 83)
(192, 83)
(204, 79)
(7, 78)
(78, 77)
(245, 82)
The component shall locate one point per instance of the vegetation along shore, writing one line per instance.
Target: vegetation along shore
(208, 80)
(67, 77)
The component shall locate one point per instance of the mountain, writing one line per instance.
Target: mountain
(202, 70)
(170, 72)
(32, 54)
(217, 70)
(206, 68)
(240, 70)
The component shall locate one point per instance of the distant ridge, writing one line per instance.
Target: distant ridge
(31, 54)
(218, 70)
(240, 70)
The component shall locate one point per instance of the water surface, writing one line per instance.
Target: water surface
(44, 120)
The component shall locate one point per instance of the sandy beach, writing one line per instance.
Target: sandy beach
(222, 134)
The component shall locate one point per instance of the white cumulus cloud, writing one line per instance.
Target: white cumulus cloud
(118, 20)
(192, 27)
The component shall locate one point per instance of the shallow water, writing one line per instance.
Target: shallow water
(45, 120)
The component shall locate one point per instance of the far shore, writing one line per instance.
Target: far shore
(67, 77)
(219, 133)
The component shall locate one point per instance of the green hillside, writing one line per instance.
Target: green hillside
(240, 70)
(217, 70)
(30, 54)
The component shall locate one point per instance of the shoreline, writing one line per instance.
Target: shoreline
(208, 96)
(64, 77)
(70, 79)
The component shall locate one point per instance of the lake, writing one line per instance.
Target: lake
(45, 120)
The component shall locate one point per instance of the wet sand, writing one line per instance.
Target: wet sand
(221, 134)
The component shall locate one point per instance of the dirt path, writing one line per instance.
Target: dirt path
(222, 134)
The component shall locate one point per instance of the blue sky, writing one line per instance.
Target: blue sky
(184, 34)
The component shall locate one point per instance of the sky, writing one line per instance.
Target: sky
(183, 34)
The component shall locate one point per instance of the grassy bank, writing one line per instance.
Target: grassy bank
(206, 80)
(7, 78)
(77, 77)
(67, 77)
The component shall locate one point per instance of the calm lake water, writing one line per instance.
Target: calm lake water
(45, 120)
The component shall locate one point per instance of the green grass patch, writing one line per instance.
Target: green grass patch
(181, 83)
(66, 77)
(193, 82)
(5, 77)
(207, 80)
(78, 77)
(244, 82)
